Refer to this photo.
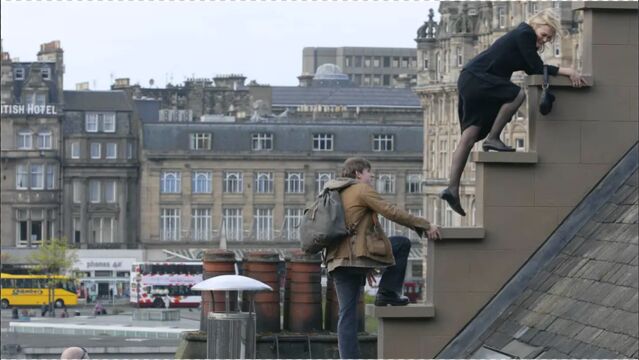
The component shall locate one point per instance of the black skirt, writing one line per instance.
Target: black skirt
(481, 95)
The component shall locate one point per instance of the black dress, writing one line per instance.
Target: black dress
(484, 84)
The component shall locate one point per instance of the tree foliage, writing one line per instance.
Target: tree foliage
(54, 257)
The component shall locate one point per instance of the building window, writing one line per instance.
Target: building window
(348, 61)
(50, 179)
(386, 61)
(376, 62)
(233, 182)
(170, 224)
(443, 161)
(201, 182)
(43, 140)
(460, 57)
(519, 144)
(24, 140)
(33, 226)
(109, 123)
(232, 224)
(102, 230)
(387, 80)
(262, 141)
(321, 180)
(383, 142)
(323, 142)
(111, 150)
(425, 64)
(390, 229)
(201, 224)
(358, 61)
(36, 99)
(37, 177)
(91, 123)
(292, 221)
(96, 150)
(94, 191)
(45, 72)
(413, 184)
(96, 120)
(170, 182)
(386, 184)
(75, 150)
(501, 17)
(77, 192)
(110, 191)
(367, 61)
(532, 8)
(201, 141)
(22, 177)
(264, 182)
(294, 182)
(18, 74)
(129, 151)
(264, 224)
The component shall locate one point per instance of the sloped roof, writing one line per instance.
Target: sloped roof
(345, 96)
(97, 101)
(583, 301)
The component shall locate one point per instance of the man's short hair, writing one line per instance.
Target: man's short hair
(354, 165)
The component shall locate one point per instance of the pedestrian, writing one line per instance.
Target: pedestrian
(75, 352)
(352, 260)
(487, 97)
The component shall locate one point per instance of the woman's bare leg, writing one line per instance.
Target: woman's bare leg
(504, 115)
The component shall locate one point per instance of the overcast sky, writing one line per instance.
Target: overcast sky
(173, 40)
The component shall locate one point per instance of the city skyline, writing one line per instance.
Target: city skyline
(261, 40)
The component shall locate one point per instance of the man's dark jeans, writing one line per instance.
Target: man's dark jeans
(348, 283)
(393, 276)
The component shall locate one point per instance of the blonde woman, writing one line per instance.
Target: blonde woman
(487, 97)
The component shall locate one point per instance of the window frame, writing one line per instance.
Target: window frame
(262, 141)
(19, 73)
(24, 135)
(201, 221)
(114, 147)
(94, 191)
(381, 142)
(170, 223)
(235, 187)
(323, 142)
(196, 176)
(263, 182)
(201, 141)
(170, 182)
(40, 174)
(294, 186)
(263, 221)
(98, 146)
(75, 150)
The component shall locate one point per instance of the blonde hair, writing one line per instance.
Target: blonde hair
(546, 17)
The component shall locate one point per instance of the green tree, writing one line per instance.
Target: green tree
(54, 257)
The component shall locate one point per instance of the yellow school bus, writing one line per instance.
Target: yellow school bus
(32, 290)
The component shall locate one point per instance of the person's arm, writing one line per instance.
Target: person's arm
(575, 77)
(390, 211)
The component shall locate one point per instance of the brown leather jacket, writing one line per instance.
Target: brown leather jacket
(369, 246)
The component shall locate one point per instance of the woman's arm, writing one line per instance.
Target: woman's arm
(575, 77)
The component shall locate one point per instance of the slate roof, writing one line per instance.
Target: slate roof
(584, 302)
(287, 137)
(346, 96)
(97, 101)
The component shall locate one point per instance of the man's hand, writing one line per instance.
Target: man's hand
(433, 232)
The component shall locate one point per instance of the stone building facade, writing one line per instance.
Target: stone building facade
(100, 152)
(364, 66)
(463, 31)
(31, 146)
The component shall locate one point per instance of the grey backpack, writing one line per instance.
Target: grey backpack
(323, 223)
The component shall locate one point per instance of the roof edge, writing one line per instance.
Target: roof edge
(582, 213)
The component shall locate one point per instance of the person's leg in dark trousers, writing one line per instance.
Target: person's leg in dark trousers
(348, 282)
(392, 280)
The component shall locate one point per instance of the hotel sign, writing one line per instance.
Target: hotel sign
(29, 109)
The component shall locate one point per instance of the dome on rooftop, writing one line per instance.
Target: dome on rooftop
(329, 72)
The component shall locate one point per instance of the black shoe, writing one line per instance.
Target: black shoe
(496, 145)
(453, 201)
(390, 298)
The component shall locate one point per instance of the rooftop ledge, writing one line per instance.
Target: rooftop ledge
(462, 233)
(505, 157)
(408, 311)
(557, 81)
(606, 5)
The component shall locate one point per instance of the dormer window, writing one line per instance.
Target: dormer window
(45, 72)
(18, 74)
